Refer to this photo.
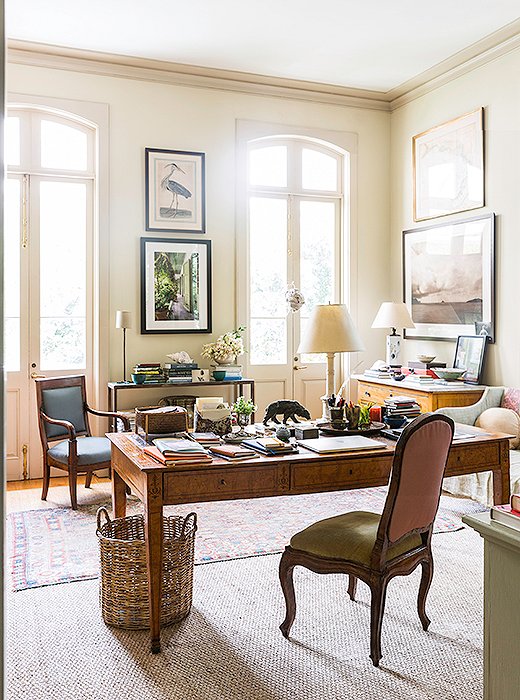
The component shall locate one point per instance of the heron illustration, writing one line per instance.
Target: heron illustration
(174, 187)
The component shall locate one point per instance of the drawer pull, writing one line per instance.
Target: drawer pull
(223, 482)
(367, 393)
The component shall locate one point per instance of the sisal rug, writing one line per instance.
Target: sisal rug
(230, 647)
(59, 545)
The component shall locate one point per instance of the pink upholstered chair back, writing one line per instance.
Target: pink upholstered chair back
(417, 472)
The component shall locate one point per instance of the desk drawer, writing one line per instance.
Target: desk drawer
(221, 484)
(469, 458)
(333, 474)
(375, 393)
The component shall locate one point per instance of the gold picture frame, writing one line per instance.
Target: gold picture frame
(448, 167)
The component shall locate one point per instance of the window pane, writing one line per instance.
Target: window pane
(12, 275)
(268, 338)
(63, 147)
(268, 279)
(12, 141)
(268, 166)
(63, 275)
(318, 224)
(319, 171)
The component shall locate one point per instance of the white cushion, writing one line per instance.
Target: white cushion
(501, 420)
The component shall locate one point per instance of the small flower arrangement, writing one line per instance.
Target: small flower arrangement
(228, 345)
(244, 407)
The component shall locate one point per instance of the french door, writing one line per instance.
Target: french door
(294, 223)
(48, 280)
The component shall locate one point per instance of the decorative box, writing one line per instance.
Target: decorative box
(161, 419)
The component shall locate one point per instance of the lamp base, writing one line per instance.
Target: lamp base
(325, 415)
(393, 350)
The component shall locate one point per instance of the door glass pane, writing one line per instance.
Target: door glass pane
(319, 171)
(268, 280)
(63, 213)
(268, 166)
(12, 141)
(63, 147)
(317, 234)
(12, 275)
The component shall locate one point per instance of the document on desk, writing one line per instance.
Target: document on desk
(328, 445)
(464, 432)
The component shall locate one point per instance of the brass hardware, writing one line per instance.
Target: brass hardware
(25, 221)
(223, 482)
(35, 375)
(300, 367)
(25, 473)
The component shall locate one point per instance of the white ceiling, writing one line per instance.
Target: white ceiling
(376, 44)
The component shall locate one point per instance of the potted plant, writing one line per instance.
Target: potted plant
(243, 408)
(226, 348)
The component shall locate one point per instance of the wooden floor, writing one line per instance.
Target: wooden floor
(26, 495)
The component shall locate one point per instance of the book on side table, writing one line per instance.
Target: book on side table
(507, 514)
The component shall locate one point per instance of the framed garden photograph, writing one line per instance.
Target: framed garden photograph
(448, 278)
(175, 286)
(175, 191)
(469, 354)
(448, 167)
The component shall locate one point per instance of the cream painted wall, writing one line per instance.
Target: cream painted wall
(495, 86)
(165, 116)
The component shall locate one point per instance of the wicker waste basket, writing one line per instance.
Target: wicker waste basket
(124, 577)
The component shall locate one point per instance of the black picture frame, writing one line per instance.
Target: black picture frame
(449, 278)
(469, 354)
(175, 191)
(175, 285)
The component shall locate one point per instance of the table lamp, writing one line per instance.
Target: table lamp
(330, 330)
(393, 315)
(124, 321)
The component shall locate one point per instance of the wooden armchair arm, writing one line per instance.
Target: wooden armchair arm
(69, 427)
(110, 414)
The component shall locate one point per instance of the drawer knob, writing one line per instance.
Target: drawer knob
(223, 482)
(367, 393)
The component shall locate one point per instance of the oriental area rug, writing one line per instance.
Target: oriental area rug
(59, 545)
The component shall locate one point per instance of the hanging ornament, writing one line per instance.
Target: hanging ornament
(294, 298)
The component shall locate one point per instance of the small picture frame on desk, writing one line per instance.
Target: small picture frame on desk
(469, 353)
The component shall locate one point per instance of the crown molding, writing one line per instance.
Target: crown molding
(112, 65)
(478, 54)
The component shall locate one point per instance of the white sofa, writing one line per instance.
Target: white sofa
(479, 487)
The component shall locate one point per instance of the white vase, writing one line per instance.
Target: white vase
(228, 360)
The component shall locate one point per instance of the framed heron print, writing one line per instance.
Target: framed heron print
(175, 285)
(448, 164)
(175, 191)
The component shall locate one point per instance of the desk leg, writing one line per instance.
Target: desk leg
(501, 477)
(153, 533)
(118, 495)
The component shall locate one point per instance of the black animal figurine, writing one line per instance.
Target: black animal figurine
(290, 409)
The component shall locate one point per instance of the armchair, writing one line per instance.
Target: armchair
(63, 418)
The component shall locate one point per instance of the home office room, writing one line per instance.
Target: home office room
(260, 325)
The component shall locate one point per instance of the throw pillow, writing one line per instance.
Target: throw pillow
(501, 420)
(511, 399)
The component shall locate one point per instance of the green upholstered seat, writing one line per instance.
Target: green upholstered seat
(350, 536)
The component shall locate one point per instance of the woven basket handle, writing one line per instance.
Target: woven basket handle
(190, 517)
(101, 511)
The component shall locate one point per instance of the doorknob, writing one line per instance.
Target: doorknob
(35, 375)
(300, 367)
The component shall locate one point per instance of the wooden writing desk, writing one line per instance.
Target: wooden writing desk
(305, 472)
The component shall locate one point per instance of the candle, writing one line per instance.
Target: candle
(375, 414)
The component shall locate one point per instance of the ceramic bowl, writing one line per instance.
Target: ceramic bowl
(395, 421)
(138, 378)
(450, 374)
(219, 375)
(426, 358)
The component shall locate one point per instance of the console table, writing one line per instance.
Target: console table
(302, 472)
(429, 397)
(114, 388)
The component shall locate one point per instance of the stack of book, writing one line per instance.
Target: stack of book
(232, 371)
(508, 514)
(270, 446)
(423, 369)
(419, 378)
(206, 438)
(173, 452)
(402, 406)
(177, 372)
(233, 453)
(152, 371)
(380, 372)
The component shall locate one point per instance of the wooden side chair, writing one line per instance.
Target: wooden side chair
(63, 418)
(375, 548)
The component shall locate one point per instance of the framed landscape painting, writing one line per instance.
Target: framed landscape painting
(175, 191)
(175, 286)
(448, 278)
(448, 165)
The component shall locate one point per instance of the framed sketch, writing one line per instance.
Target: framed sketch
(469, 354)
(175, 191)
(448, 278)
(175, 286)
(448, 166)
